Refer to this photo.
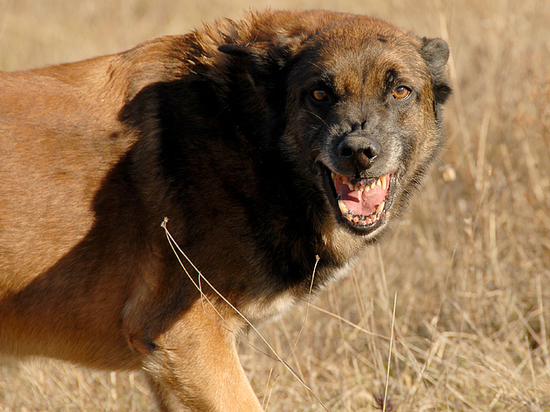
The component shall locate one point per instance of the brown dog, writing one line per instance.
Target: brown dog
(267, 142)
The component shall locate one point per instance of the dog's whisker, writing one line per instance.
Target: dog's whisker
(317, 117)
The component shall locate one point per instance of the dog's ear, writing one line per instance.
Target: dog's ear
(436, 55)
(260, 55)
(259, 69)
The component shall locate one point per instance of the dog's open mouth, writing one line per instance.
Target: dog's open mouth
(362, 202)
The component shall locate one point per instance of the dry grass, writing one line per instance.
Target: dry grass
(469, 265)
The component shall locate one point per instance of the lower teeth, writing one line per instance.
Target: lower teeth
(361, 220)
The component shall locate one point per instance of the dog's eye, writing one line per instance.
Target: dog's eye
(401, 92)
(320, 95)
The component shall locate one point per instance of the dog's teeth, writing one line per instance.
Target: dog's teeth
(333, 175)
(380, 207)
(378, 183)
(343, 208)
(384, 182)
(372, 185)
(367, 189)
(351, 187)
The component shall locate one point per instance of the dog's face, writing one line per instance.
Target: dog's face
(363, 112)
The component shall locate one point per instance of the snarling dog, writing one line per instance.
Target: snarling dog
(268, 143)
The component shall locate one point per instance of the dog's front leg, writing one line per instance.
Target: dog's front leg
(195, 366)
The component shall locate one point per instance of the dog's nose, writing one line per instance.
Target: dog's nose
(358, 152)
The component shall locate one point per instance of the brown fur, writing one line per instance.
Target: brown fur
(208, 129)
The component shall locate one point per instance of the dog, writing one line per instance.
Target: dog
(277, 147)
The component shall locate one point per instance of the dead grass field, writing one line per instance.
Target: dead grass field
(468, 268)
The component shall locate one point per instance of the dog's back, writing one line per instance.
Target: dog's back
(59, 137)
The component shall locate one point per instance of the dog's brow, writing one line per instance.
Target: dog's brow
(316, 65)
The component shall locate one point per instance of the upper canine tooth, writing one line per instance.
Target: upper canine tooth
(343, 207)
(384, 183)
(378, 183)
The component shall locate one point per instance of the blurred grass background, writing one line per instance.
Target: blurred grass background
(469, 266)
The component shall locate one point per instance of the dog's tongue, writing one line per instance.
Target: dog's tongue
(362, 203)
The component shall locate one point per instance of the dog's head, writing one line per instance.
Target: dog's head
(365, 104)
(360, 102)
